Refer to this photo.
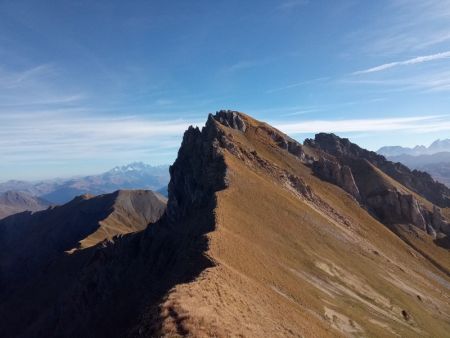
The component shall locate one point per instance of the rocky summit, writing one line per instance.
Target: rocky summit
(262, 237)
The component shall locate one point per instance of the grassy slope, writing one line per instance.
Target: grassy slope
(287, 268)
(132, 211)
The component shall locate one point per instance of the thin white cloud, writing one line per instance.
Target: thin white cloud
(47, 136)
(407, 27)
(297, 84)
(413, 61)
(245, 64)
(290, 4)
(412, 124)
(35, 85)
(437, 80)
(435, 39)
(17, 79)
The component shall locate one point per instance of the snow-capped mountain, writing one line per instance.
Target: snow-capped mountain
(437, 146)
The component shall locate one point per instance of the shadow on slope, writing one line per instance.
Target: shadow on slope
(114, 289)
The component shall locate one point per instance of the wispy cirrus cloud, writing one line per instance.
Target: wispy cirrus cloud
(71, 134)
(406, 26)
(413, 61)
(290, 4)
(20, 78)
(245, 64)
(298, 84)
(34, 85)
(411, 124)
(436, 80)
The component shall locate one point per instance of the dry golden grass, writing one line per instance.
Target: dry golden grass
(132, 211)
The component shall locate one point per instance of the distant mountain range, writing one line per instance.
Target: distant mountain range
(59, 191)
(434, 159)
(437, 165)
(12, 202)
(437, 146)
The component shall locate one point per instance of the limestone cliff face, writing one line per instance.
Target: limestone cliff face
(395, 207)
(338, 174)
(420, 182)
(347, 165)
(439, 222)
(231, 119)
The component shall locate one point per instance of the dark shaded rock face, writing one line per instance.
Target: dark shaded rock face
(199, 169)
(335, 173)
(418, 181)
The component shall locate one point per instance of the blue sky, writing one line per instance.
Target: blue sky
(87, 85)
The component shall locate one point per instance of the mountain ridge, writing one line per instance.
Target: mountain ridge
(262, 236)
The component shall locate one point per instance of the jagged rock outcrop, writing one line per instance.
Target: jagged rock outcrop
(393, 206)
(231, 119)
(420, 182)
(199, 169)
(284, 142)
(340, 175)
(438, 221)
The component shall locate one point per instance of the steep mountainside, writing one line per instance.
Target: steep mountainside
(262, 237)
(132, 176)
(13, 202)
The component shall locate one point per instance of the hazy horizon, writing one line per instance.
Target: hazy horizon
(78, 174)
(88, 86)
